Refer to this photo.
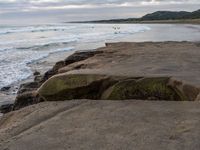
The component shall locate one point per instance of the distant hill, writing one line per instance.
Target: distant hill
(193, 15)
(171, 15)
(156, 16)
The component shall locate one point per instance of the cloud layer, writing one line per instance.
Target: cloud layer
(83, 8)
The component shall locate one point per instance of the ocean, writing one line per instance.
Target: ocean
(21, 46)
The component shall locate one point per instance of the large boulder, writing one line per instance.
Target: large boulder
(5, 108)
(52, 71)
(26, 99)
(142, 89)
(75, 86)
(28, 87)
(104, 87)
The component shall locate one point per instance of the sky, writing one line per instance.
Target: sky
(53, 11)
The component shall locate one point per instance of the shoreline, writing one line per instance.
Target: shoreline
(192, 22)
(8, 97)
(41, 66)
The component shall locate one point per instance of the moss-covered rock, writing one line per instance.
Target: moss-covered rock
(77, 86)
(88, 86)
(143, 89)
(101, 87)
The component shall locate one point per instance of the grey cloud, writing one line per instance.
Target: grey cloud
(25, 10)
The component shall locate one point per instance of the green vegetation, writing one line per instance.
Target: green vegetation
(101, 87)
(143, 89)
(158, 17)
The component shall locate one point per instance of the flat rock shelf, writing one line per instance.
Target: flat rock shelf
(121, 96)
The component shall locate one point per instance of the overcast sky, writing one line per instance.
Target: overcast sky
(44, 11)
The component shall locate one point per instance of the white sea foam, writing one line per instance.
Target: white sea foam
(13, 65)
(42, 28)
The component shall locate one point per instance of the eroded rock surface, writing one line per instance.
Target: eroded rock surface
(144, 88)
(148, 71)
(76, 57)
(108, 125)
(137, 71)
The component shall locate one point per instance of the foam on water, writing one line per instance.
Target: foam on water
(42, 28)
(20, 46)
(14, 68)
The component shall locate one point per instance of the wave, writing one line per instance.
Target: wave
(33, 29)
(15, 70)
(47, 45)
(42, 55)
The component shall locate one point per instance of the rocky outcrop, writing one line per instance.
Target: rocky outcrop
(89, 86)
(26, 99)
(115, 81)
(75, 86)
(76, 57)
(27, 92)
(143, 89)
(5, 89)
(5, 108)
(111, 73)
(79, 56)
(28, 87)
(66, 86)
(52, 71)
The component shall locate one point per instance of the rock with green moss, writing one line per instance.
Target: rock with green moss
(143, 89)
(104, 87)
(89, 86)
(75, 86)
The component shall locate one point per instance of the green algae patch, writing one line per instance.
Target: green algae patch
(74, 86)
(142, 89)
(101, 87)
